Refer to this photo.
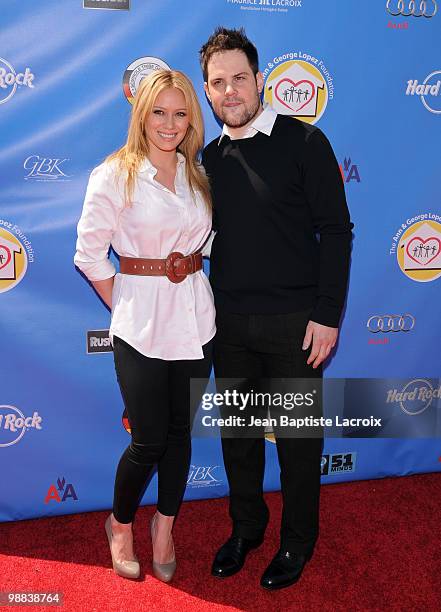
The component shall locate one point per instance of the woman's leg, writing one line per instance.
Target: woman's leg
(174, 464)
(144, 384)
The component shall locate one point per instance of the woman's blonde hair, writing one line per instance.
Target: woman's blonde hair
(136, 148)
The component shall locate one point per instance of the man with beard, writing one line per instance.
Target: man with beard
(279, 271)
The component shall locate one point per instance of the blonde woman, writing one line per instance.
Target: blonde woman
(150, 201)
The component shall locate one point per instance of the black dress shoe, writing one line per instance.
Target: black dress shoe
(231, 556)
(285, 569)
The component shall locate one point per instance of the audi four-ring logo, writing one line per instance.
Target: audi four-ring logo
(390, 323)
(411, 8)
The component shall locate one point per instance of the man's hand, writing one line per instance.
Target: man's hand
(323, 340)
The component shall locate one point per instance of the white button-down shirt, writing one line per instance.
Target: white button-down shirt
(157, 317)
(263, 123)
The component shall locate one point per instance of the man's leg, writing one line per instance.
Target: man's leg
(300, 482)
(299, 458)
(244, 457)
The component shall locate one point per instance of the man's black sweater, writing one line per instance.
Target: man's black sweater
(283, 230)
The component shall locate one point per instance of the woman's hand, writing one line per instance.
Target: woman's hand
(104, 289)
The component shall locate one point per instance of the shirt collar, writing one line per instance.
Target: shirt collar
(263, 123)
(147, 166)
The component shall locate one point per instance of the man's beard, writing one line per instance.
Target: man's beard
(237, 121)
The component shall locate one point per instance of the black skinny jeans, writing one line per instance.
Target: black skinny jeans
(156, 394)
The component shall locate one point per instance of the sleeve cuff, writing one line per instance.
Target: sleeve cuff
(326, 314)
(96, 271)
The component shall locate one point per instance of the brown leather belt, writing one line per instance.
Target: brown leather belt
(176, 267)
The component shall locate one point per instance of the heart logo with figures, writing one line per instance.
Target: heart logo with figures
(5, 256)
(423, 251)
(294, 95)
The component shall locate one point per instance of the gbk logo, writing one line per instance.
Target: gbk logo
(203, 476)
(349, 171)
(61, 492)
(337, 463)
(46, 169)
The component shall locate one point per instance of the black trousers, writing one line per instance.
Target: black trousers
(156, 394)
(270, 346)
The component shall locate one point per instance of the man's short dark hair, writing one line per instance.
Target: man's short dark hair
(223, 39)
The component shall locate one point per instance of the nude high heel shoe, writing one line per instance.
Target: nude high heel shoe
(162, 571)
(126, 569)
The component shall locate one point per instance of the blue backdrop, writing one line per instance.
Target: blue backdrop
(367, 74)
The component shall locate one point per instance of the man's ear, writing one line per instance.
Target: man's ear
(206, 91)
(259, 82)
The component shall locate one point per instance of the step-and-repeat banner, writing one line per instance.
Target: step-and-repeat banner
(368, 73)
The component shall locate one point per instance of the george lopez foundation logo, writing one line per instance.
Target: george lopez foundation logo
(14, 424)
(10, 80)
(429, 91)
(15, 253)
(299, 85)
(61, 492)
(417, 245)
(137, 70)
(415, 397)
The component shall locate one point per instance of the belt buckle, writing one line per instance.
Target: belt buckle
(170, 267)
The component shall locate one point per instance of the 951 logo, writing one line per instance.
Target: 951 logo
(338, 463)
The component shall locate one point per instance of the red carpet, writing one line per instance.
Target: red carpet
(379, 549)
